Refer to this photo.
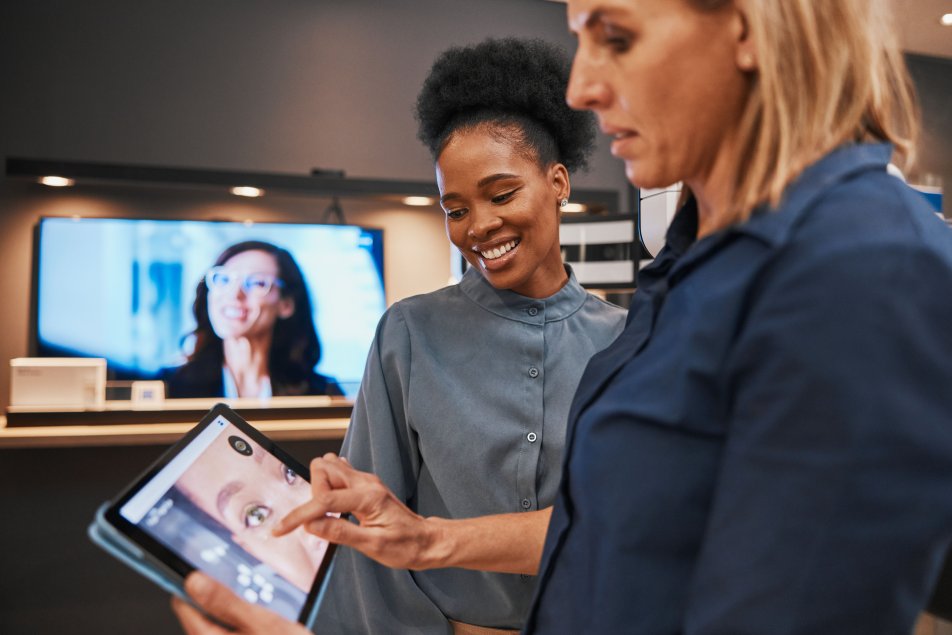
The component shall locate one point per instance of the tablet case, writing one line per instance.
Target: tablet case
(115, 543)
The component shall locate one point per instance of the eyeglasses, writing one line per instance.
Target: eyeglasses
(255, 284)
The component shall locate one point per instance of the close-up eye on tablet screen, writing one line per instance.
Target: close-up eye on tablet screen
(211, 506)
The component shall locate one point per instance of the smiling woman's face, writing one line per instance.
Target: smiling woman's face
(665, 81)
(236, 312)
(502, 211)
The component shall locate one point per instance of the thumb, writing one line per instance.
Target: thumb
(218, 601)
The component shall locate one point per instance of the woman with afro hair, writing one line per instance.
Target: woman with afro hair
(456, 441)
(462, 408)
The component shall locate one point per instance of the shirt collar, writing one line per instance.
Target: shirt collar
(511, 305)
(766, 225)
(836, 167)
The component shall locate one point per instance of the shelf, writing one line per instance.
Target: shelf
(158, 433)
(177, 411)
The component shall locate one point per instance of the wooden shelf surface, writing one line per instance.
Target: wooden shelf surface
(157, 433)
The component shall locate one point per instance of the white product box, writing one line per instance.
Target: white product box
(58, 381)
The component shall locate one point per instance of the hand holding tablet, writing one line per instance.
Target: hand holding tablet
(216, 600)
(209, 504)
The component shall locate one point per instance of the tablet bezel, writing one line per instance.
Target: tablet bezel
(169, 558)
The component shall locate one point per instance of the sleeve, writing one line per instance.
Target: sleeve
(833, 504)
(363, 596)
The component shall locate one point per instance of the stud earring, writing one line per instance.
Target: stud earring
(563, 202)
(747, 61)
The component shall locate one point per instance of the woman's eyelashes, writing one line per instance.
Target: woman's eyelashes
(505, 197)
(498, 199)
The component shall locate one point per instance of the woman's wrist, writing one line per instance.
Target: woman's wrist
(439, 543)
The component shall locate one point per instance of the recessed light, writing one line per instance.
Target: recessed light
(250, 192)
(56, 181)
(418, 201)
(574, 208)
(946, 19)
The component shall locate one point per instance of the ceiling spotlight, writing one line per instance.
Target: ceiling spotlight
(418, 201)
(574, 208)
(946, 19)
(250, 192)
(56, 181)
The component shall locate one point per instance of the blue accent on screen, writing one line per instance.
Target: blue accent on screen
(123, 288)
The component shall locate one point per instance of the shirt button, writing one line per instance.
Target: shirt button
(533, 311)
(533, 372)
(526, 504)
(531, 437)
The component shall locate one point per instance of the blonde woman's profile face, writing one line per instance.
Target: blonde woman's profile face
(664, 81)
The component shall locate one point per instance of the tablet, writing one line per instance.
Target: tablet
(209, 503)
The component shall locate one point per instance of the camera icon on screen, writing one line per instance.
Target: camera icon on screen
(239, 445)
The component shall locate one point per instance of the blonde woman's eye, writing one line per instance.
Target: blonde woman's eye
(255, 515)
(290, 476)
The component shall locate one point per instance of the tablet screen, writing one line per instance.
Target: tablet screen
(213, 505)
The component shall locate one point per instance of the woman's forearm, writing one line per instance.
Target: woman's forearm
(505, 543)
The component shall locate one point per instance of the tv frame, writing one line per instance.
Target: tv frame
(33, 344)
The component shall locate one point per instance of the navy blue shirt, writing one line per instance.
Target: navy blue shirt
(767, 447)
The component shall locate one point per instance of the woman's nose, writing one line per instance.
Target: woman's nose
(235, 290)
(586, 90)
(484, 222)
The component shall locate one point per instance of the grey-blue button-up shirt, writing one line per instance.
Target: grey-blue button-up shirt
(462, 412)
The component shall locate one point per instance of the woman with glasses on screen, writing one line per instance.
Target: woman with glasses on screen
(255, 334)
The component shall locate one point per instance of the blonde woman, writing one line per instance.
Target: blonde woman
(767, 448)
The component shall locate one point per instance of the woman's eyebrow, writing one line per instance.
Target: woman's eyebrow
(225, 494)
(483, 182)
(492, 178)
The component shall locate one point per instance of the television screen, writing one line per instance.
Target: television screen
(127, 290)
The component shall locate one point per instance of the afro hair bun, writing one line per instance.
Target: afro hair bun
(506, 80)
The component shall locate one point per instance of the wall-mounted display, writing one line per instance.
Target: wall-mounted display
(144, 293)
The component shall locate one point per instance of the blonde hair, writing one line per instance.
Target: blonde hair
(829, 72)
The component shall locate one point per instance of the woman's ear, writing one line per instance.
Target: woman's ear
(285, 307)
(746, 53)
(559, 177)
